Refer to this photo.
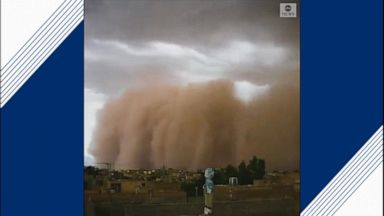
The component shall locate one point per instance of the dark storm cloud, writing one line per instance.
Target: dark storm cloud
(189, 21)
(200, 25)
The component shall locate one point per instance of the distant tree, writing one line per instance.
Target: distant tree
(91, 170)
(201, 180)
(261, 167)
(257, 168)
(231, 171)
(245, 176)
(220, 177)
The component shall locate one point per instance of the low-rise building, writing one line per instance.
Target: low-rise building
(125, 185)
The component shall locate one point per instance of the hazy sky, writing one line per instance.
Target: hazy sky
(129, 44)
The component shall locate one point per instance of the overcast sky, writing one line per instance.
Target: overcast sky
(129, 44)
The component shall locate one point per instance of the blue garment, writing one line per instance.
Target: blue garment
(208, 186)
(208, 174)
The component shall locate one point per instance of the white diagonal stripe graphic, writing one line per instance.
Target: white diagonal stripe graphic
(343, 181)
(14, 70)
(36, 36)
(40, 46)
(25, 76)
(350, 177)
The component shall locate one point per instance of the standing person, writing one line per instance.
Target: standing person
(208, 191)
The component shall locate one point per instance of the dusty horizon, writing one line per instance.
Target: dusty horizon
(197, 126)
